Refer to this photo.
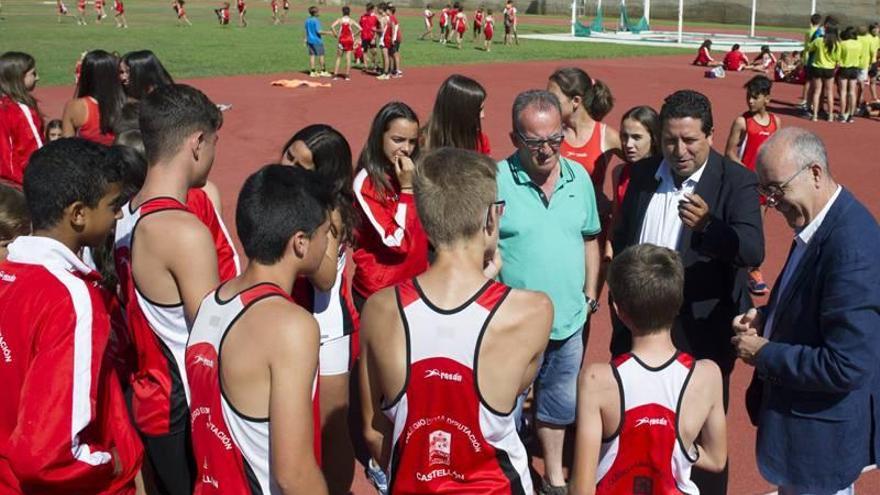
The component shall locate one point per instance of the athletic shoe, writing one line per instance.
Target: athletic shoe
(313, 74)
(383, 77)
(377, 477)
(548, 489)
(324, 73)
(397, 74)
(756, 283)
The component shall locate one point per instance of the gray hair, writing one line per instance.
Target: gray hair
(801, 146)
(540, 99)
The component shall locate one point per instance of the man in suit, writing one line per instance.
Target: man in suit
(705, 206)
(816, 345)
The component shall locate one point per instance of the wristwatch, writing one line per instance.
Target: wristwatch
(593, 304)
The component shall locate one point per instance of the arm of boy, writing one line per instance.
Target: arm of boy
(293, 363)
(595, 383)
(378, 311)
(712, 444)
(735, 139)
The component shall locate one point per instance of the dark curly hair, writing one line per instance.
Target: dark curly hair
(688, 103)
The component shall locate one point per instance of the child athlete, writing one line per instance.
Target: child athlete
(81, 13)
(62, 9)
(369, 24)
(510, 23)
(748, 133)
(851, 53)
(735, 60)
(447, 422)
(488, 30)
(285, 10)
(460, 25)
(704, 57)
(764, 61)
(444, 23)
(345, 30)
(315, 44)
(223, 14)
(429, 23)
(242, 12)
(645, 419)
(119, 16)
(478, 23)
(182, 19)
(99, 11)
(275, 18)
(53, 131)
(21, 126)
(252, 356)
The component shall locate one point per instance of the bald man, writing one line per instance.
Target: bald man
(816, 345)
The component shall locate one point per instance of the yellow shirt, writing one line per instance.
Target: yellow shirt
(822, 57)
(851, 53)
(866, 41)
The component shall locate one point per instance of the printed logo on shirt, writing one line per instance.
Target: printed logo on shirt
(207, 479)
(4, 348)
(204, 361)
(651, 422)
(439, 448)
(443, 375)
(6, 277)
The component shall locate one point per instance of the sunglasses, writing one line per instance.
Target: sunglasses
(774, 192)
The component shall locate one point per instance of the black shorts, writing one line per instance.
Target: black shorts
(171, 461)
(849, 73)
(819, 73)
(368, 44)
(394, 48)
(507, 28)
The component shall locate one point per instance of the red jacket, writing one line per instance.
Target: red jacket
(63, 420)
(18, 139)
(390, 244)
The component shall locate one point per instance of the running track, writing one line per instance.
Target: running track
(264, 117)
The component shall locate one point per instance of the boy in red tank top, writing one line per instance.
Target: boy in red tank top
(252, 356)
(747, 134)
(345, 30)
(421, 341)
(667, 399)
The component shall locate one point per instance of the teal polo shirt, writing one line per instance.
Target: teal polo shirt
(542, 242)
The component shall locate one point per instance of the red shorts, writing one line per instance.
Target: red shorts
(488, 32)
(461, 28)
(120, 9)
(346, 44)
(241, 8)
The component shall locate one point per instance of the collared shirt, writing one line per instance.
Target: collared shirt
(662, 225)
(542, 240)
(802, 240)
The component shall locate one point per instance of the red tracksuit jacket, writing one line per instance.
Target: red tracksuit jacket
(17, 139)
(64, 427)
(391, 245)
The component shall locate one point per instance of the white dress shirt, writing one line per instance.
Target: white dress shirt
(662, 225)
(802, 240)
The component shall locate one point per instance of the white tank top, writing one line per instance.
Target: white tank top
(646, 454)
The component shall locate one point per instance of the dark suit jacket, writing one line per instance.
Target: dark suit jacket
(815, 392)
(715, 261)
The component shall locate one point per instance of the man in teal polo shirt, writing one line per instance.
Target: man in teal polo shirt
(548, 244)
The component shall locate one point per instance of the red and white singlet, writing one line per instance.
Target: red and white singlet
(446, 439)
(756, 135)
(158, 334)
(646, 455)
(231, 450)
(346, 38)
(429, 18)
(590, 155)
(489, 28)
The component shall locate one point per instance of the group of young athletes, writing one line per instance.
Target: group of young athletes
(100, 12)
(369, 290)
(845, 58)
(453, 24)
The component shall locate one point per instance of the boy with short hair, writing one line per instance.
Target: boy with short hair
(735, 60)
(315, 44)
(167, 261)
(651, 414)
(64, 426)
(344, 30)
(369, 23)
(253, 397)
(747, 134)
(452, 427)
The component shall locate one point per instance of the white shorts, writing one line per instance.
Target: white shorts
(335, 356)
(863, 75)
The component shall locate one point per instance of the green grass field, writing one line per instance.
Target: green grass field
(207, 49)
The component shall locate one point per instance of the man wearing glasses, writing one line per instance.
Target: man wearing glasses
(815, 346)
(548, 244)
(705, 206)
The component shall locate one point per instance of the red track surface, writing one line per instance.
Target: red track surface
(264, 117)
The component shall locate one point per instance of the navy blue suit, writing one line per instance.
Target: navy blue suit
(814, 396)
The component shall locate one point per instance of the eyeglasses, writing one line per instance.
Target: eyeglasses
(554, 141)
(498, 206)
(775, 192)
